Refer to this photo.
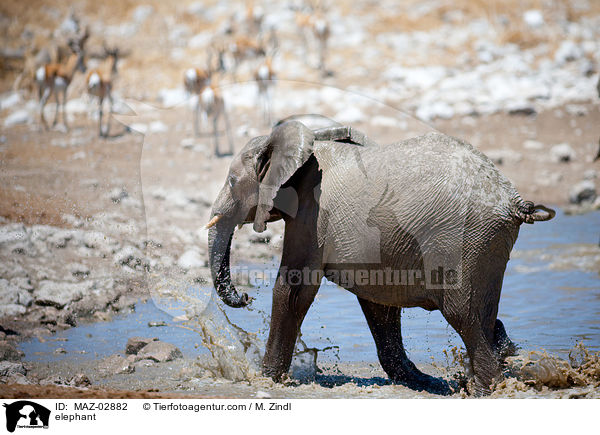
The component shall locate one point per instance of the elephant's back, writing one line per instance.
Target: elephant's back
(432, 168)
(433, 189)
(443, 170)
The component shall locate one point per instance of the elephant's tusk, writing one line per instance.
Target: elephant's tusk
(213, 221)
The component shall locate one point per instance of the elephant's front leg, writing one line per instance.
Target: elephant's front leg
(290, 304)
(384, 323)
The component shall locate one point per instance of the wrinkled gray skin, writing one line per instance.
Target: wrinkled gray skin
(348, 204)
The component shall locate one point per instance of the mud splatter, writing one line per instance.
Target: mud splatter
(538, 369)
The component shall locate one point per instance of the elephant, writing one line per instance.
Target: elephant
(426, 222)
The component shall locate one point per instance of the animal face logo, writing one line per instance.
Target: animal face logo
(26, 414)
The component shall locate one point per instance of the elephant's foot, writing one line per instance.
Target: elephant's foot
(275, 365)
(275, 373)
(419, 381)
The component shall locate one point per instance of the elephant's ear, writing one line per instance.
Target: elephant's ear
(288, 147)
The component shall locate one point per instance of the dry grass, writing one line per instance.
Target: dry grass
(504, 16)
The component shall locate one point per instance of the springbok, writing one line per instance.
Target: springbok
(316, 25)
(100, 83)
(55, 78)
(254, 19)
(265, 80)
(265, 76)
(212, 106)
(243, 48)
(209, 104)
(249, 23)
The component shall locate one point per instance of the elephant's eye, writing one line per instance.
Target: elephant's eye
(232, 179)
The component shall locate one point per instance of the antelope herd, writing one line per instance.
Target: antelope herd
(245, 48)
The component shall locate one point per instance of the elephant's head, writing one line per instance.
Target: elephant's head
(255, 176)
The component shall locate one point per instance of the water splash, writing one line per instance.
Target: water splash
(236, 353)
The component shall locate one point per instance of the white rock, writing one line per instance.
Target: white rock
(533, 18)
(417, 77)
(118, 194)
(200, 40)
(22, 283)
(79, 155)
(142, 13)
(122, 30)
(9, 100)
(385, 121)
(179, 34)
(191, 259)
(9, 368)
(18, 117)
(350, 115)
(11, 310)
(98, 240)
(584, 191)
(115, 365)
(12, 234)
(60, 294)
(501, 156)
(25, 299)
(196, 8)
(158, 127)
(78, 270)
(9, 293)
(562, 153)
(188, 142)
(159, 351)
(69, 25)
(242, 95)
(437, 109)
(533, 145)
(77, 106)
(60, 238)
(172, 97)
(130, 256)
(139, 127)
(262, 395)
(568, 51)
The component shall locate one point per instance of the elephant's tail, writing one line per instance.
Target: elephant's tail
(529, 213)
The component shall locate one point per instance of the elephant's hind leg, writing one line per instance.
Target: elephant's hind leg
(478, 336)
(384, 323)
(503, 345)
(474, 320)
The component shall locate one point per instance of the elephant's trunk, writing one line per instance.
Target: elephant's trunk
(219, 248)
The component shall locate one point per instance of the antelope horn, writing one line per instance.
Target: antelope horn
(213, 221)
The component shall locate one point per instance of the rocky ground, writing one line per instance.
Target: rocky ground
(86, 223)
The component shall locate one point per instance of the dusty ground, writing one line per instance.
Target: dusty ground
(147, 197)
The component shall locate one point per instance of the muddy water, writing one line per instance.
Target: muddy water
(551, 300)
